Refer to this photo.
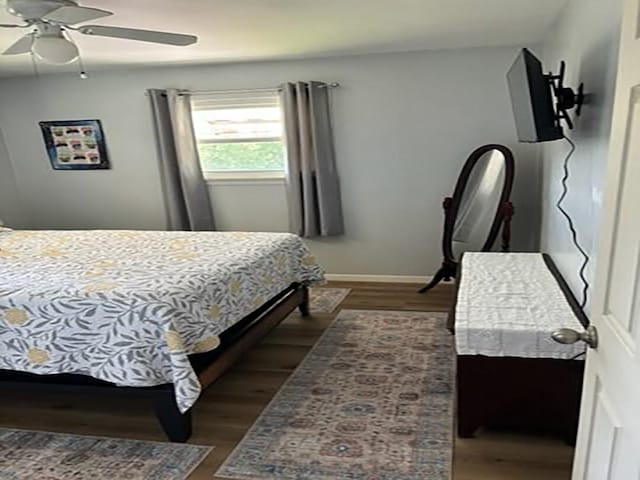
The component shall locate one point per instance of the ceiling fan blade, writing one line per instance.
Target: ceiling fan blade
(140, 35)
(23, 45)
(70, 15)
(7, 25)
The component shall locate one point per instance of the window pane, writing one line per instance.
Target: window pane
(238, 123)
(263, 156)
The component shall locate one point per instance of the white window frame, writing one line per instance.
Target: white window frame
(239, 177)
(246, 177)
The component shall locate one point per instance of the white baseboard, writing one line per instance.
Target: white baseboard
(346, 277)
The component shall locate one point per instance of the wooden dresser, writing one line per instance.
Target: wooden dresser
(510, 373)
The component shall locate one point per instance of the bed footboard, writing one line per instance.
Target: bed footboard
(209, 366)
(304, 306)
(177, 426)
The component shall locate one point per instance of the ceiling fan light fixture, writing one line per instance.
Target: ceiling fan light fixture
(50, 22)
(53, 49)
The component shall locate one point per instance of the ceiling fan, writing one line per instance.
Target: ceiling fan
(51, 21)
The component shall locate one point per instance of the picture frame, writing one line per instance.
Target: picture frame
(75, 144)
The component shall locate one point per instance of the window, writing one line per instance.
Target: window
(240, 135)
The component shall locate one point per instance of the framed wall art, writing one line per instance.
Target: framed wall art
(75, 144)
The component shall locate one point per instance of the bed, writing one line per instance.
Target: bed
(155, 313)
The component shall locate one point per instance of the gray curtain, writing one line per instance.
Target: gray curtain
(313, 189)
(185, 190)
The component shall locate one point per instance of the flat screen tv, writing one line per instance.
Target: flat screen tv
(532, 100)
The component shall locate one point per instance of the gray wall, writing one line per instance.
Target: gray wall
(404, 124)
(11, 213)
(586, 36)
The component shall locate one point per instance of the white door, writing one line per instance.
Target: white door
(608, 445)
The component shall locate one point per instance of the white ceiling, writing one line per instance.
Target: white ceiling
(236, 30)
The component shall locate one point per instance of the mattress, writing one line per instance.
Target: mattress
(508, 305)
(128, 307)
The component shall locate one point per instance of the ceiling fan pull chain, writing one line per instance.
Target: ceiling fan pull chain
(83, 72)
(34, 63)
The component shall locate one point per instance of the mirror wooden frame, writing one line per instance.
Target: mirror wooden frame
(502, 217)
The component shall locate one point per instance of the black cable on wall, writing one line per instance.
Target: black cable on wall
(574, 233)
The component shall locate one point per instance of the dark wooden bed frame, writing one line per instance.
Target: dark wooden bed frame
(209, 366)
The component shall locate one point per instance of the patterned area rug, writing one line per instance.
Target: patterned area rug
(373, 400)
(325, 300)
(27, 455)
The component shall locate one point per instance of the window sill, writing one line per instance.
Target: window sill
(245, 178)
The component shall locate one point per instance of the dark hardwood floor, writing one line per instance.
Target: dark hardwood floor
(229, 407)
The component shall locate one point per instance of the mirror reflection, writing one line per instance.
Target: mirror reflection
(479, 203)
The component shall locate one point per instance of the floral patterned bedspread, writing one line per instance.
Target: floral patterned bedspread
(128, 306)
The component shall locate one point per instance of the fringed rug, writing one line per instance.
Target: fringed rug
(28, 455)
(373, 400)
(325, 300)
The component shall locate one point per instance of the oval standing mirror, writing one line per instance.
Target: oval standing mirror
(479, 207)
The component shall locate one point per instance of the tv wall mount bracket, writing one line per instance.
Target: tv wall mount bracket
(566, 98)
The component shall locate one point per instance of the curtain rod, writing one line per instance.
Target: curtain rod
(247, 90)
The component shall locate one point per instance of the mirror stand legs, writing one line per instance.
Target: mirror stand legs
(507, 214)
(447, 272)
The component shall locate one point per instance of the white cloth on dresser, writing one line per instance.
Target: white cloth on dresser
(508, 305)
